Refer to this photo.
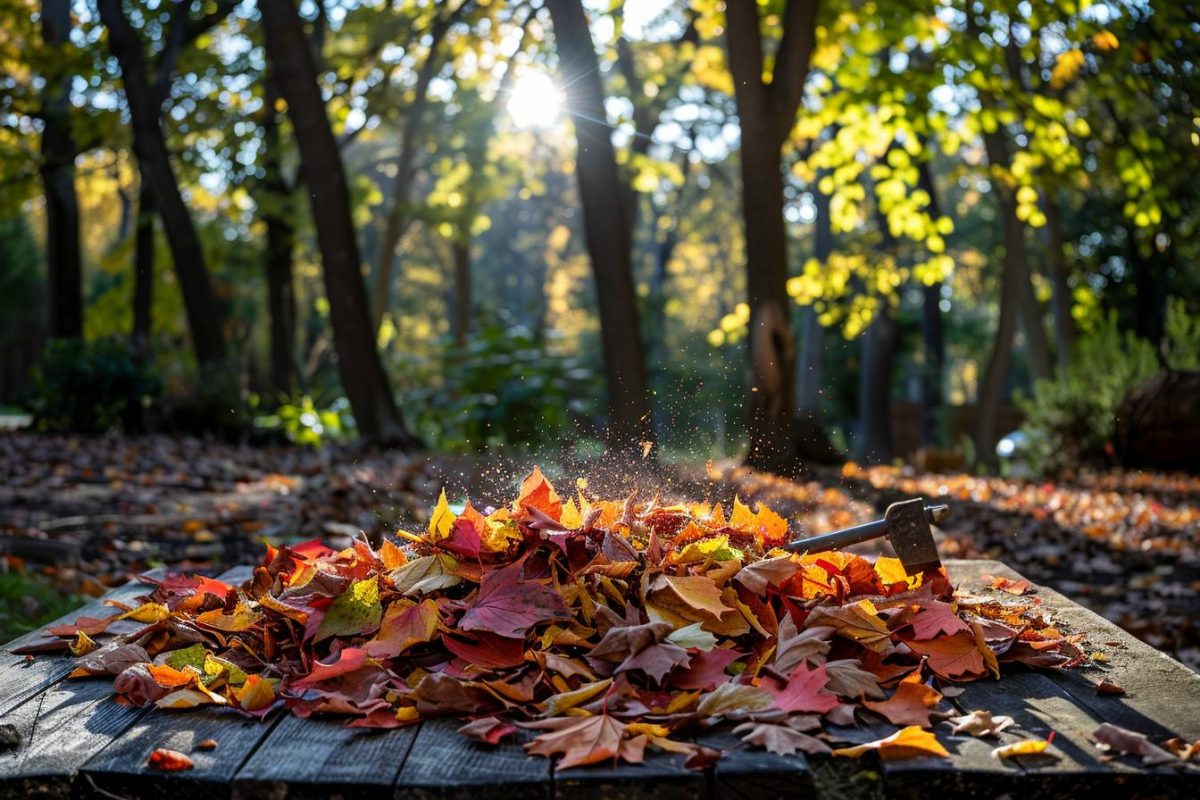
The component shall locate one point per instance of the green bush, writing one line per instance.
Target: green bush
(89, 387)
(1071, 420)
(503, 388)
(303, 422)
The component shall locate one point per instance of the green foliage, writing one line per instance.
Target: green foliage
(504, 387)
(89, 387)
(29, 601)
(303, 422)
(1071, 421)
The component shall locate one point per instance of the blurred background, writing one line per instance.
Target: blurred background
(856, 242)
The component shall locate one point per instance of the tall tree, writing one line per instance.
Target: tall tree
(277, 207)
(607, 226)
(399, 214)
(145, 97)
(767, 111)
(58, 179)
(359, 365)
(143, 273)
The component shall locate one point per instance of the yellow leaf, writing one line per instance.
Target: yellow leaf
(1028, 747)
(147, 612)
(255, 694)
(910, 742)
(890, 571)
(407, 714)
(83, 644)
(442, 519)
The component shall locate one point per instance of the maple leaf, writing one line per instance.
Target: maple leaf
(509, 606)
(910, 704)
(758, 576)
(486, 649)
(350, 659)
(847, 679)
(441, 519)
(697, 592)
(536, 492)
(489, 730)
(464, 539)
(706, 670)
(621, 640)
(693, 636)
(656, 660)
(856, 621)
(92, 626)
(582, 740)
(732, 697)
(770, 528)
(354, 612)
(256, 694)
(951, 657)
(794, 647)
(805, 691)
(910, 742)
(980, 723)
(936, 618)
(781, 739)
(403, 625)
(242, 619)
(426, 574)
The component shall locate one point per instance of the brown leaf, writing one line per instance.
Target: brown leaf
(1126, 741)
(780, 739)
(911, 704)
(980, 723)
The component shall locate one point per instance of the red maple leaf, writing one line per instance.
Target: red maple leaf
(509, 606)
(487, 650)
(706, 670)
(805, 691)
(935, 618)
(348, 660)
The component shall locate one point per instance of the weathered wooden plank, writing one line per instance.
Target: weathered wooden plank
(60, 729)
(969, 772)
(1162, 694)
(444, 764)
(661, 776)
(121, 768)
(1040, 707)
(747, 774)
(321, 757)
(22, 678)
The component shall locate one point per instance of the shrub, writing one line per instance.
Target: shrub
(89, 387)
(303, 422)
(1071, 420)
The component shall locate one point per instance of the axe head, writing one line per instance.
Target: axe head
(909, 531)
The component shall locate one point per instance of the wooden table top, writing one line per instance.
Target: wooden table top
(75, 741)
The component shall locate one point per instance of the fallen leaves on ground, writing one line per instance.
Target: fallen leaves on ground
(1122, 740)
(1025, 747)
(169, 760)
(604, 626)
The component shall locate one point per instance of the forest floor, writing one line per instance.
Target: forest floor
(81, 514)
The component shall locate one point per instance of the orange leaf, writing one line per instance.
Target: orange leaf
(911, 704)
(910, 742)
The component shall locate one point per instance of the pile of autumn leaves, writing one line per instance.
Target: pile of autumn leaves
(605, 627)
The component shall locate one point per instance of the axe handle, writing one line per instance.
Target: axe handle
(859, 533)
(842, 538)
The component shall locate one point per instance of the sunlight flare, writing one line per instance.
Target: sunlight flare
(535, 101)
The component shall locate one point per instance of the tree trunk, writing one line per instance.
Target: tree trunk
(1036, 342)
(398, 216)
(767, 111)
(991, 389)
(606, 227)
(932, 335)
(143, 273)
(150, 147)
(359, 366)
(462, 291)
(281, 242)
(875, 387)
(58, 179)
(1064, 323)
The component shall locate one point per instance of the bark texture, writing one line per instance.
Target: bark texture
(607, 227)
(359, 366)
(145, 99)
(58, 181)
(767, 112)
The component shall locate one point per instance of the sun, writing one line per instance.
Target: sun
(535, 101)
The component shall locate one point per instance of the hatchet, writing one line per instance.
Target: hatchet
(906, 526)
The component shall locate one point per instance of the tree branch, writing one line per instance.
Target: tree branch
(792, 61)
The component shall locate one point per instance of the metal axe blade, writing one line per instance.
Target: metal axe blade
(906, 525)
